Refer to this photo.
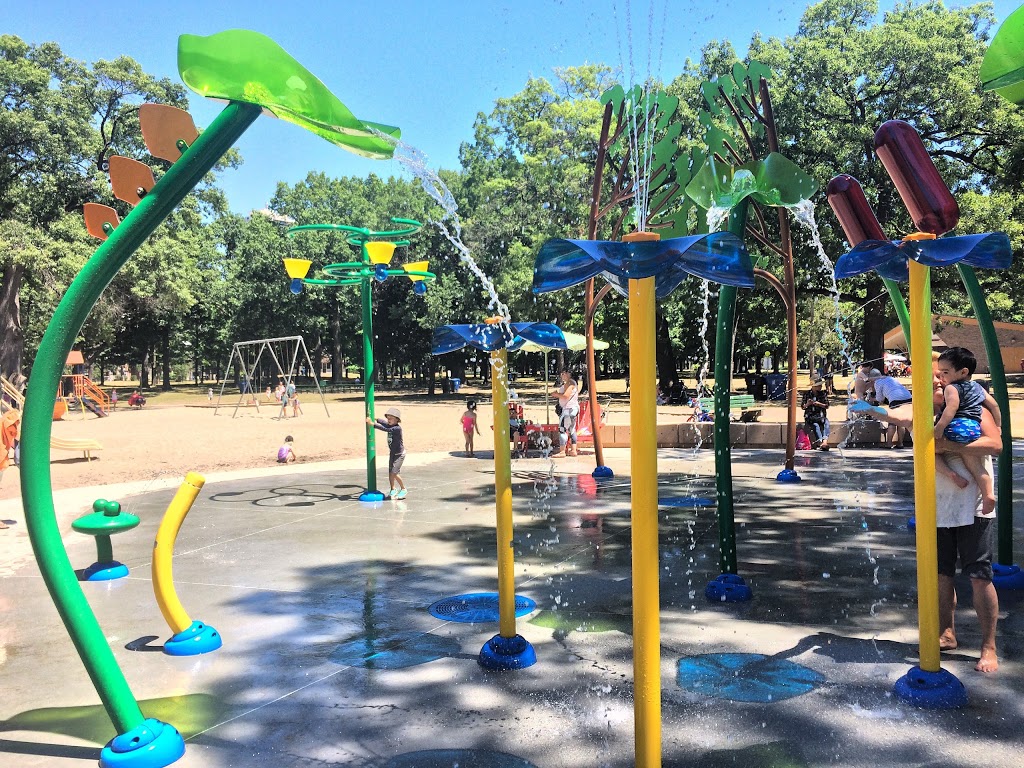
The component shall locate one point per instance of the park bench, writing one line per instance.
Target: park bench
(743, 403)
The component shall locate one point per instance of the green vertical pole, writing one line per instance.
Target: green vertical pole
(900, 305)
(67, 321)
(366, 293)
(1004, 487)
(723, 383)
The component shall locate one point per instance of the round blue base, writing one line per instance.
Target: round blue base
(788, 476)
(505, 653)
(602, 473)
(912, 524)
(728, 588)
(371, 496)
(1007, 576)
(104, 571)
(931, 690)
(152, 745)
(197, 639)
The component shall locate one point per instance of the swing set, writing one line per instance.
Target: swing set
(259, 361)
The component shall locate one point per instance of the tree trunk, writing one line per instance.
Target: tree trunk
(666, 356)
(165, 353)
(144, 369)
(874, 324)
(12, 338)
(337, 360)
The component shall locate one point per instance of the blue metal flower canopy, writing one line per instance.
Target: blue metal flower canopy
(890, 258)
(720, 257)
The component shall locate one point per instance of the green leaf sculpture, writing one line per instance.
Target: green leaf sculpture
(245, 66)
(773, 181)
(1002, 69)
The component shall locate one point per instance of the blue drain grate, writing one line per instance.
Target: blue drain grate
(746, 677)
(477, 608)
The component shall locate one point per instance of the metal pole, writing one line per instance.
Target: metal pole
(503, 494)
(924, 468)
(644, 469)
(37, 488)
(365, 293)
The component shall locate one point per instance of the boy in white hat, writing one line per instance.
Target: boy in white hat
(392, 424)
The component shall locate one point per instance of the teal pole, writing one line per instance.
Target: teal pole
(1004, 481)
(67, 321)
(723, 383)
(366, 293)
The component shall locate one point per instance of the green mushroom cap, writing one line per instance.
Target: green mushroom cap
(106, 519)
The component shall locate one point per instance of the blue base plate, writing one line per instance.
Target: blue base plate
(602, 473)
(912, 524)
(1007, 576)
(728, 588)
(371, 496)
(788, 476)
(197, 639)
(152, 745)
(505, 653)
(931, 690)
(104, 571)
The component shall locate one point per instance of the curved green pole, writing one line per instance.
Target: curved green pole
(366, 294)
(1004, 489)
(723, 383)
(900, 305)
(37, 488)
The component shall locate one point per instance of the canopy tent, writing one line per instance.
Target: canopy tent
(573, 341)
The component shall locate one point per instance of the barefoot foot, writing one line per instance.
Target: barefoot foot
(988, 662)
(947, 641)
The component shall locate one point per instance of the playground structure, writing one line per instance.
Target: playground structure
(642, 266)
(249, 356)
(376, 249)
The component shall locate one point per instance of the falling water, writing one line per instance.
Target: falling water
(416, 163)
(716, 217)
(803, 212)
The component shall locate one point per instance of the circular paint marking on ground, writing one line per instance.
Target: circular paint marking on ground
(394, 651)
(446, 758)
(477, 608)
(686, 502)
(746, 677)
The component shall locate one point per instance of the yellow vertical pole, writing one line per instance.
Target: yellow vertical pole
(924, 467)
(644, 467)
(503, 495)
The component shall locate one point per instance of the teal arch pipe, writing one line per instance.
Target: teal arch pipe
(67, 321)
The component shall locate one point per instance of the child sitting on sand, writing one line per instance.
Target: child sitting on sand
(286, 453)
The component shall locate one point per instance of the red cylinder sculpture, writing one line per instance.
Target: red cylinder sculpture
(846, 197)
(925, 194)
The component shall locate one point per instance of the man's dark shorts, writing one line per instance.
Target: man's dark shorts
(395, 463)
(972, 543)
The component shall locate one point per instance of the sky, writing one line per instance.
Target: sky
(428, 67)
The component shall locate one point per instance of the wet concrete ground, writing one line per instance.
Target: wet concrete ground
(331, 657)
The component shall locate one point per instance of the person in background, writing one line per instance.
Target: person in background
(890, 392)
(567, 393)
(286, 453)
(469, 426)
(815, 405)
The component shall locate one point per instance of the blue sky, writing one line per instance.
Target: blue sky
(427, 67)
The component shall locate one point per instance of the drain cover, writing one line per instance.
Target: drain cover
(477, 608)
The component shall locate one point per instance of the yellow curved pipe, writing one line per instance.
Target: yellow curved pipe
(924, 467)
(163, 553)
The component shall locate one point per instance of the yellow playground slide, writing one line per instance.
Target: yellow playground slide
(85, 445)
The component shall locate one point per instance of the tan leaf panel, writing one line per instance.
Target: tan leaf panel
(163, 127)
(96, 216)
(130, 179)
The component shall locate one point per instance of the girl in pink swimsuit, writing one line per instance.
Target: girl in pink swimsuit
(469, 425)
